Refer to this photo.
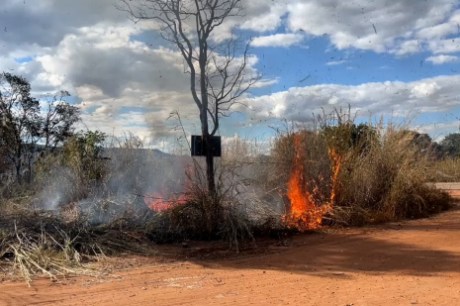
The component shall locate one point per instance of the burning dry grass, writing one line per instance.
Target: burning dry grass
(305, 213)
(77, 231)
(345, 174)
(353, 175)
(196, 214)
(300, 170)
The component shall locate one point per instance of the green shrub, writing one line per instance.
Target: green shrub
(83, 155)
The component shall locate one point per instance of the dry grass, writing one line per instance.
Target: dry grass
(202, 216)
(239, 207)
(41, 243)
(445, 170)
(386, 183)
(382, 178)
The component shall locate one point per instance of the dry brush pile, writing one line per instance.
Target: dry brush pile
(45, 243)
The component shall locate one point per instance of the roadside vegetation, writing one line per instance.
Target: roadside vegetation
(69, 198)
(382, 177)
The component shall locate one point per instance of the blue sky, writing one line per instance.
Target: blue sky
(316, 62)
(396, 59)
(321, 63)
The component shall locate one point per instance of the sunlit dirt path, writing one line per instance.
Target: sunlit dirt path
(408, 263)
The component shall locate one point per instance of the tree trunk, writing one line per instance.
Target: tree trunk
(210, 167)
(18, 173)
(211, 205)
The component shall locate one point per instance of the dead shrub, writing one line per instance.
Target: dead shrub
(199, 215)
(202, 217)
(382, 175)
(386, 182)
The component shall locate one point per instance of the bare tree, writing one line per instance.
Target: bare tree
(218, 75)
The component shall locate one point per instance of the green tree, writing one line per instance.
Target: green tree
(23, 127)
(450, 145)
(422, 143)
(19, 120)
(348, 135)
(82, 153)
(59, 122)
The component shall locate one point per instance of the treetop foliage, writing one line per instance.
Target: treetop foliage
(24, 128)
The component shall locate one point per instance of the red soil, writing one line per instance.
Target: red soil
(407, 263)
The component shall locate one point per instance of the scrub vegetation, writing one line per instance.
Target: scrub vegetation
(69, 198)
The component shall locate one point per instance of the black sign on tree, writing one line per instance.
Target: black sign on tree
(199, 147)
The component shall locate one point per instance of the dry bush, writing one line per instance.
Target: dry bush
(317, 165)
(237, 209)
(387, 182)
(382, 176)
(103, 181)
(36, 243)
(199, 215)
(74, 172)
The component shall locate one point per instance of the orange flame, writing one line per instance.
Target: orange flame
(166, 199)
(305, 213)
(160, 203)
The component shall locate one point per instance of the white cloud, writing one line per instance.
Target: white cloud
(277, 40)
(86, 47)
(437, 33)
(438, 131)
(106, 58)
(112, 74)
(408, 47)
(436, 94)
(400, 27)
(444, 46)
(124, 84)
(424, 89)
(442, 59)
(46, 22)
(263, 15)
(336, 63)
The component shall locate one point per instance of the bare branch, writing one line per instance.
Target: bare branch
(217, 80)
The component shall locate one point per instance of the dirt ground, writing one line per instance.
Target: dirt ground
(407, 263)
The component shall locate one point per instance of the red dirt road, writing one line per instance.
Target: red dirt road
(407, 263)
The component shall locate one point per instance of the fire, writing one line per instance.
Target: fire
(160, 203)
(305, 213)
(167, 199)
